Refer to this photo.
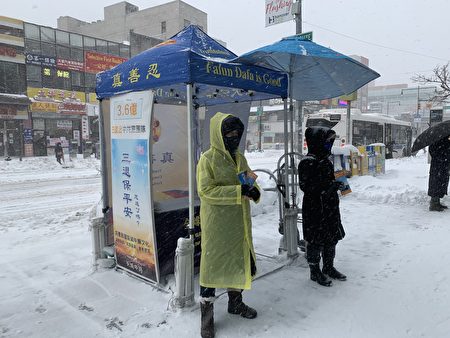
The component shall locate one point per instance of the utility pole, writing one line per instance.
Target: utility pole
(297, 10)
(260, 129)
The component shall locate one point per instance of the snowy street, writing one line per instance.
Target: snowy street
(395, 255)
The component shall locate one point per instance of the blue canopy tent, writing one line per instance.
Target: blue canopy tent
(190, 68)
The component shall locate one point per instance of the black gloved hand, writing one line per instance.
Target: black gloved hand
(254, 193)
(337, 185)
(245, 188)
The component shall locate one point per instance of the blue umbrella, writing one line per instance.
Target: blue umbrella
(315, 72)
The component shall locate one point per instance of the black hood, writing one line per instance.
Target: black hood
(316, 137)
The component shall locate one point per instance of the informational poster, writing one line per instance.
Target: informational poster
(170, 153)
(170, 182)
(134, 231)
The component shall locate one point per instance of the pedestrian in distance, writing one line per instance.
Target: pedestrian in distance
(322, 227)
(59, 153)
(439, 173)
(228, 257)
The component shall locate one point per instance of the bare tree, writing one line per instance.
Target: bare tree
(441, 78)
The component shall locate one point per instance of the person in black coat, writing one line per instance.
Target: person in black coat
(439, 173)
(59, 153)
(322, 227)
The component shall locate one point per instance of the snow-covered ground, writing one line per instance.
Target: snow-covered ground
(396, 256)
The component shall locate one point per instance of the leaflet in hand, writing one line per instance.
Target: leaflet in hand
(340, 176)
(247, 177)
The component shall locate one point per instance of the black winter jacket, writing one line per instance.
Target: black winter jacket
(320, 210)
(439, 168)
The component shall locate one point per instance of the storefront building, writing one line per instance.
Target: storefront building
(14, 114)
(60, 82)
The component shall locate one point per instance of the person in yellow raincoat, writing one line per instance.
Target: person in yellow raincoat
(228, 258)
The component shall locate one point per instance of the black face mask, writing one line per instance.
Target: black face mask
(231, 143)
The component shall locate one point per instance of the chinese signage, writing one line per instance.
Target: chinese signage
(278, 11)
(59, 101)
(13, 112)
(134, 232)
(40, 60)
(97, 62)
(84, 127)
(70, 65)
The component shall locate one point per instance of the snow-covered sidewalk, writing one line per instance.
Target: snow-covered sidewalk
(395, 255)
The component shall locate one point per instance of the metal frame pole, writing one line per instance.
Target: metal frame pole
(104, 171)
(184, 254)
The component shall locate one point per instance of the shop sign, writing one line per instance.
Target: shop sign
(84, 127)
(44, 107)
(64, 124)
(55, 95)
(8, 51)
(28, 136)
(98, 62)
(11, 112)
(73, 108)
(76, 136)
(40, 60)
(70, 65)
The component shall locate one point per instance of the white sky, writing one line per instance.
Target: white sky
(416, 32)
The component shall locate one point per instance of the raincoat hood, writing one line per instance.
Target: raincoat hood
(317, 139)
(220, 125)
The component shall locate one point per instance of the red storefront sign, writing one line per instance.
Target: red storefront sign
(8, 51)
(97, 62)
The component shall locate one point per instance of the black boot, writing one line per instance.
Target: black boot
(435, 205)
(207, 321)
(443, 205)
(237, 307)
(318, 276)
(328, 264)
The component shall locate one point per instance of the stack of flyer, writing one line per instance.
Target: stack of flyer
(340, 176)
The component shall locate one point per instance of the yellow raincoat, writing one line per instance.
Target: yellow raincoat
(225, 217)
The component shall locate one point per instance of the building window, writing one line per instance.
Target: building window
(32, 31)
(102, 46)
(34, 74)
(124, 51)
(11, 31)
(47, 34)
(163, 27)
(12, 78)
(76, 54)
(32, 47)
(48, 49)
(77, 80)
(89, 43)
(76, 40)
(113, 48)
(62, 38)
(90, 81)
(186, 23)
(63, 52)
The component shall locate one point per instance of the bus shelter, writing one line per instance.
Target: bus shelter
(152, 108)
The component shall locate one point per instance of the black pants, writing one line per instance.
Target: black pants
(314, 251)
(211, 292)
